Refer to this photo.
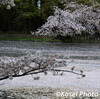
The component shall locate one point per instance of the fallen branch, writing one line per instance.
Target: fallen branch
(18, 67)
(33, 71)
(58, 70)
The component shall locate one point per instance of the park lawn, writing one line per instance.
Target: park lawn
(50, 40)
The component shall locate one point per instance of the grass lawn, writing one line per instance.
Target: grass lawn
(50, 40)
(30, 39)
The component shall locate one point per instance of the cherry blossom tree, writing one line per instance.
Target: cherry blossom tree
(32, 64)
(73, 19)
(9, 3)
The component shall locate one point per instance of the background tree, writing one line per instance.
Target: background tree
(73, 19)
(26, 16)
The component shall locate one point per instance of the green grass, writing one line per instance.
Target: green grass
(50, 40)
(32, 39)
(40, 39)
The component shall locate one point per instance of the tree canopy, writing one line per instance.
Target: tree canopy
(30, 15)
(26, 16)
(73, 19)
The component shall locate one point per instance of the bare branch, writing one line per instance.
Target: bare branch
(59, 70)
